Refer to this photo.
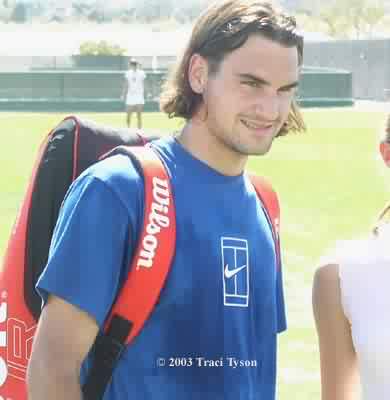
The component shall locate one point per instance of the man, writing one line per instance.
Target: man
(133, 92)
(218, 316)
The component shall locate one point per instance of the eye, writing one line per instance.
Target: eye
(253, 84)
(288, 91)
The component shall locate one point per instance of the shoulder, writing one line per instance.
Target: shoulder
(326, 282)
(118, 175)
(341, 275)
(115, 169)
(343, 256)
(327, 298)
(113, 185)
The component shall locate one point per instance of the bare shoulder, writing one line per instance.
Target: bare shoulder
(326, 286)
(326, 275)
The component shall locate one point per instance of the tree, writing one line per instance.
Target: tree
(101, 48)
(310, 23)
(334, 19)
(354, 13)
(357, 17)
(374, 15)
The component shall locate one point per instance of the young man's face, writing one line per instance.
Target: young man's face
(249, 97)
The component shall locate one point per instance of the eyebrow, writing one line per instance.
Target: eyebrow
(262, 81)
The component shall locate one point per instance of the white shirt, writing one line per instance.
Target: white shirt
(135, 82)
(364, 272)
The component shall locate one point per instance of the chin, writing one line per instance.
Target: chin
(261, 152)
(253, 151)
(260, 148)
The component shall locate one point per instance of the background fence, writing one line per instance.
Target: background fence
(367, 60)
(92, 83)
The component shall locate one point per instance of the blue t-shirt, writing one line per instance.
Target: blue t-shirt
(214, 330)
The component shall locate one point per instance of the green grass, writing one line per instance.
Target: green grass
(330, 187)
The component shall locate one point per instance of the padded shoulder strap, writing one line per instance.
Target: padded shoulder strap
(156, 245)
(147, 274)
(270, 202)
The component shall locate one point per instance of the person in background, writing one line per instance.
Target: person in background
(133, 92)
(351, 304)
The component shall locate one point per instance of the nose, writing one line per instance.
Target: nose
(267, 107)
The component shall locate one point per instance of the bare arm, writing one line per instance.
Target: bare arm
(125, 88)
(339, 374)
(64, 336)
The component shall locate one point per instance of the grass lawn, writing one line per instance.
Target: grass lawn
(330, 187)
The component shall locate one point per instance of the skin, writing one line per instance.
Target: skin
(63, 339)
(256, 84)
(339, 373)
(384, 149)
(138, 108)
(219, 138)
(339, 368)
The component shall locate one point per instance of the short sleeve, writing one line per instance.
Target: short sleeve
(88, 250)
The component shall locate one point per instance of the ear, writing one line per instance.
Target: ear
(198, 73)
(384, 149)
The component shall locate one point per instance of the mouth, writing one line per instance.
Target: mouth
(260, 129)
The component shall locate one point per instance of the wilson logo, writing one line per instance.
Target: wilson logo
(15, 347)
(20, 339)
(157, 219)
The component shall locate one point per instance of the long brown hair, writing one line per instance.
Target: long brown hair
(221, 29)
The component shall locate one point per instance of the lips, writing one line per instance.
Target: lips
(256, 126)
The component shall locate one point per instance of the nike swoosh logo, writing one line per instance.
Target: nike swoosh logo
(229, 273)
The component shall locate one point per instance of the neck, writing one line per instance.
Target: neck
(203, 145)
